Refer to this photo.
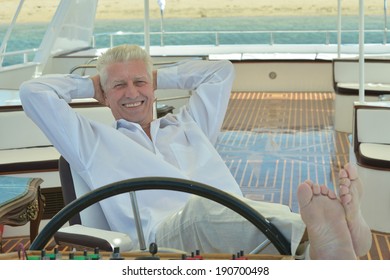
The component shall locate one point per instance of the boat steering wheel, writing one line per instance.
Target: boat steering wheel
(162, 183)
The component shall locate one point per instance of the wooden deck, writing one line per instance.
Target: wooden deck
(273, 141)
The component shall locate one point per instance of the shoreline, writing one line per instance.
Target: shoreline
(41, 11)
(46, 21)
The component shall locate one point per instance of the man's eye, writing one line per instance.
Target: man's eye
(140, 83)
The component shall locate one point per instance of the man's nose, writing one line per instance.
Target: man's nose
(131, 91)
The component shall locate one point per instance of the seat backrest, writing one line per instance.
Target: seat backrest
(346, 70)
(26, 135)
(73, 186)
(371, 124)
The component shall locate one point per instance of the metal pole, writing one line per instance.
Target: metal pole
(9, 30)
(385, 27)
(361, 51)
(133, 197)
(161, 3)
(162, 28)
(339, 29)
(138, 221)
(146, 26)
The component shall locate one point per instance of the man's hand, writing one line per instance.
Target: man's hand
(99, 93)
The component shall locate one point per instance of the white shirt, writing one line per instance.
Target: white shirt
(182, 144)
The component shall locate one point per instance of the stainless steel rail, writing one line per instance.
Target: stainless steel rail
(214, 37)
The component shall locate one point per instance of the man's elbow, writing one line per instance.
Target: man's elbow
(27, 96)
(227, 68)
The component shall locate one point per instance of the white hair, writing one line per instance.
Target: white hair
(122, 53)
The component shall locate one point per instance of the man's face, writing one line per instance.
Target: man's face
(130, 92)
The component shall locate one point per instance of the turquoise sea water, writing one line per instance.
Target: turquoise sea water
(26, 36)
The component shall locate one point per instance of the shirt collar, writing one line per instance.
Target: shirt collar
(167, 120)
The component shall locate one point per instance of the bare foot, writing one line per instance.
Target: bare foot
(324, 217)
(350, 193)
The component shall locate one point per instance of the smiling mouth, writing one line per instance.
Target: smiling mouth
(132, 105)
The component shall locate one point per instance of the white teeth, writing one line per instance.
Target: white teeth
(130, 105)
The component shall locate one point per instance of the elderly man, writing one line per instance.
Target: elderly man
(181, 146)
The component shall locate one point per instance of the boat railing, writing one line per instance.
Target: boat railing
(90, 64)
(24, 56)
(217, 38)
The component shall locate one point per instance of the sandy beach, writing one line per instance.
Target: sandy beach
(43, 10)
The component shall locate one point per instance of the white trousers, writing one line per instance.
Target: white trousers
(213, 228)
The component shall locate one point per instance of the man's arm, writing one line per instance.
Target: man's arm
(43, 101)
(210, 82)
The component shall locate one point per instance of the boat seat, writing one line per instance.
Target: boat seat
(28, 159)
(346, 86)
(23, 146)
(89, 228)
(371, 151)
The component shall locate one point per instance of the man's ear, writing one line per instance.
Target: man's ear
(106, 100)
(104, 94)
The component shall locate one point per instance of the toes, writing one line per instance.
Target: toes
(343, 190)
(331, 194)
(307, 190)
(309, 182)
(316, 189)
(345, 195)
(324, 190)
(304, 194)
(351, 169)
(344, 182)
(346, 199)
(343, 174)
